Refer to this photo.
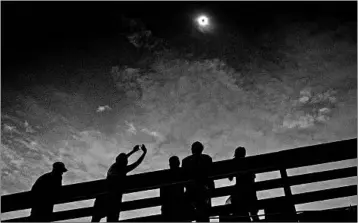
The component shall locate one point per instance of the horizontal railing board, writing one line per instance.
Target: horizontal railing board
(61, 215)
(342, 214)
(19, 201)
(327, 194)
(352, 207)
(88, 211)
(152, 218)
(157, 218)
(294, 180)
(306, 197)
(141, 203)
(224, 191)
(298, 199)
(301, 198)
(310, 155)
(322, 176)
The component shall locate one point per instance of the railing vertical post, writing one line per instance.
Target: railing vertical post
(288, 195)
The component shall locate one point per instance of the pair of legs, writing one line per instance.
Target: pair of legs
(109, 206)
(200, 209)
(41, 217)
(244, 215)
(244, 209)
(114, 208)
(112, 216)
(41, 213)
(97, 217)
(177, 215)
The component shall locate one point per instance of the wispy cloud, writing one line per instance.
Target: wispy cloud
(103, 108)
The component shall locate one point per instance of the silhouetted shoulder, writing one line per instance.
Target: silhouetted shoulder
(186, 161)
(187, 158)
(207, 157)
(43, 178)
(116, 171)
(46, 181)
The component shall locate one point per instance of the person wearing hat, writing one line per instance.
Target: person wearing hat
(45, 191)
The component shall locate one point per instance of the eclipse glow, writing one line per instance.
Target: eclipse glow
(203, 20)
(203, 23)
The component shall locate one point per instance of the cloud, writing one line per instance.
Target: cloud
(308, 96)
(311, 108)
(9, 128)
(131, 128)
(304, 121)
(103, 108)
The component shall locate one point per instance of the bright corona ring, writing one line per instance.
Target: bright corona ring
(203, 21)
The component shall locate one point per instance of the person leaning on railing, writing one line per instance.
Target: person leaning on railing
(45, 191)
(110, 205)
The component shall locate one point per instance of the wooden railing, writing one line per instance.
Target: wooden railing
(277, 161)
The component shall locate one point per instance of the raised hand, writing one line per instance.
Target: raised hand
(141, 158)
(144, 149)
(136, 148)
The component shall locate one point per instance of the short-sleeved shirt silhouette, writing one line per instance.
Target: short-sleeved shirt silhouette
(115, 182)
(116, 177)
(198, 167)
(45, 191)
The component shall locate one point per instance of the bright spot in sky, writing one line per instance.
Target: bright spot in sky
(203, 23)
(203, 20)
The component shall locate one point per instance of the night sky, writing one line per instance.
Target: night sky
(32, 29)
(289, 80)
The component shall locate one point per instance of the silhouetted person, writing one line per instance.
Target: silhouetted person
(45, 191)
(244, 198)
(198, 193)
(110, 204)
(173, 206)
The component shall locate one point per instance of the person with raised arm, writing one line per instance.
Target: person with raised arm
(110, 205)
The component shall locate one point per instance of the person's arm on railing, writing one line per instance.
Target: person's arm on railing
(139, 161)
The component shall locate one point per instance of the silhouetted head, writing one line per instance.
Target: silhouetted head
(240, 152)
(59, 168)
(174, 162)
(122, 159)
(197, 148)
